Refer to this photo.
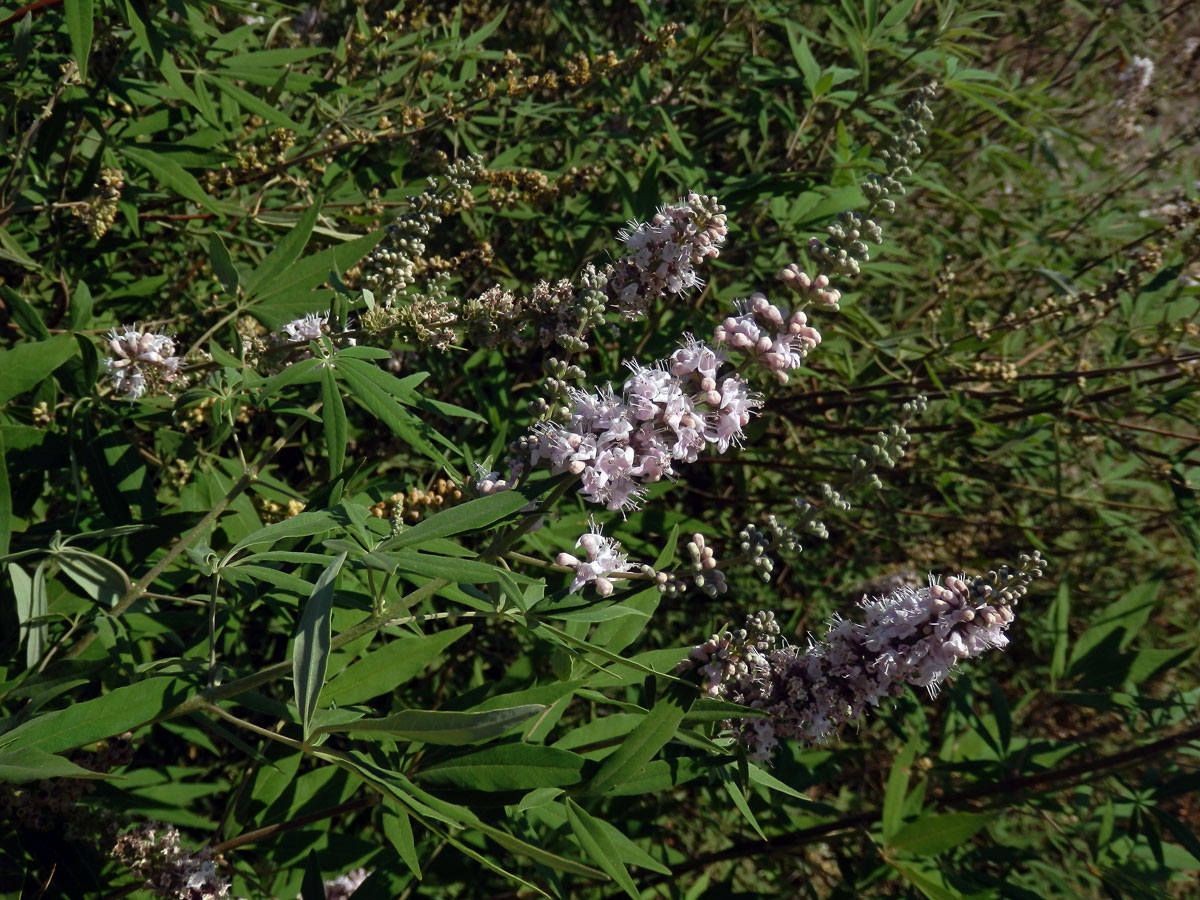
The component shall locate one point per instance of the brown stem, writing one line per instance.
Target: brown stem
(251, 837)
(28, 8)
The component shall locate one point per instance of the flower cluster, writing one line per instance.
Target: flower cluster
(910, 636)
(664, 414)
(308, 328)
(735, 657)
(604, 557)
(343, 886)
(1135, 82)
(99, 211)
(769, 336)
(811, 290)
(142, 361)
(152, 852)
(664, 252)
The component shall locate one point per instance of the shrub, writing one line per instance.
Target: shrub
(379, 516)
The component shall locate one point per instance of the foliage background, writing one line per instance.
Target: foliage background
(1062, 417)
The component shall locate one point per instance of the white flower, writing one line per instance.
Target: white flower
(913, 636)
(142, 361)
(307, 328)
(603, 558)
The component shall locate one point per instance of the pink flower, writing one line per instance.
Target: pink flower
(913, 636)
(142, 361)
(603, 558)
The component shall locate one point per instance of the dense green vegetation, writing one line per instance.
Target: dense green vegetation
(302, 318)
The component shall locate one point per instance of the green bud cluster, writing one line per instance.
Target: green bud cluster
(1007, 585)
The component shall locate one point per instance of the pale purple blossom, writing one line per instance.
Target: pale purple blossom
(152, 852)
(665, 414)
(773, 338)
(309, 327)
(662, 254)
(811, 290)
(343, 886)
(603, 557)
(142, 361)
(911, 636)
(488, 482)
(306, 328)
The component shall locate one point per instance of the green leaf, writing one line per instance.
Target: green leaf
(314, 270)
(12, 251)
(473, 515)
(313, 885)
(30, 764)
(286, 252)
(272, 58)
(439, 727)
(463, 571)
(25, 315)
(30, 596)
(804, 59)
(644, 742)
(334, 414)
(508, 767)
(102, 580)
(384, 407)
(926, 885)
(121, 710)
(23, 366)
(222, 263)
(628, 851)
(897, 14)
(596, 844)
(252, 104)
(5, 501)
(79, 14)
(310, 655)
(303, 524)
(708, 709)
(933, 834)
(81, 307)
(734, 790)
(1114, 628)
(1059, 616)
(397, 828)
(897, 789)
(386, 668)
(171, 175)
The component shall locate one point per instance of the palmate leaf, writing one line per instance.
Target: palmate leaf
(429, 809)
(356, 374)
(286, 252)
